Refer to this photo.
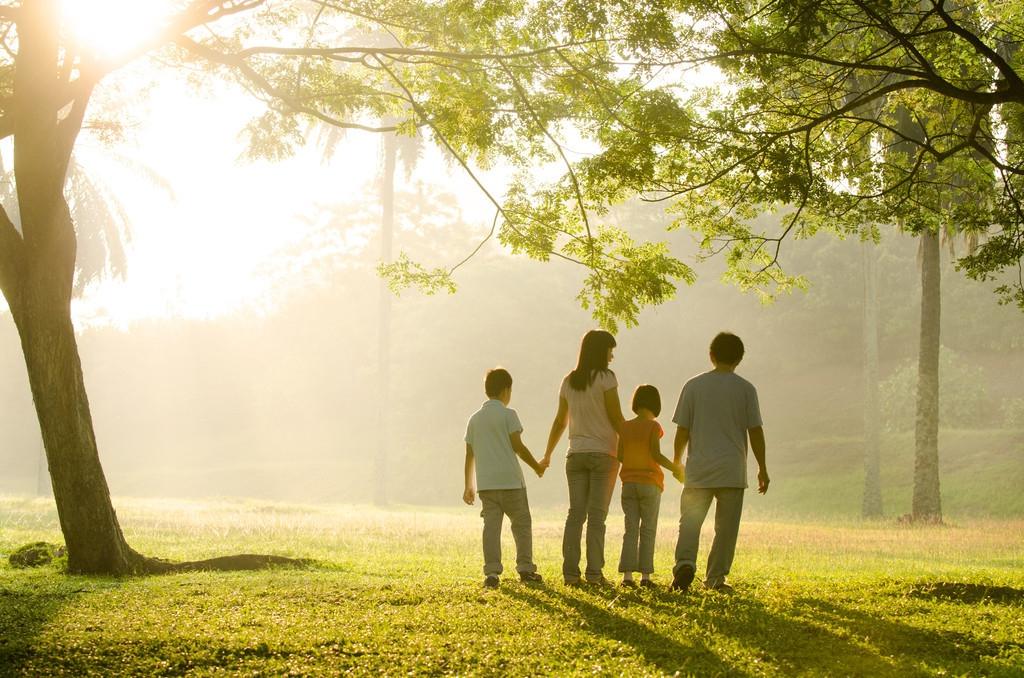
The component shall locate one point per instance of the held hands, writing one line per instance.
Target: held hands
(542, 466)
(679, 473)
(469, 496)
(762, 481)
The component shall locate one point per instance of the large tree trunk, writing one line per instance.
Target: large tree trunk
(926, 505)
(387, 226)
(872, 503)
(87, 519)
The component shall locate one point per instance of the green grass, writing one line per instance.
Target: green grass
(398, 592)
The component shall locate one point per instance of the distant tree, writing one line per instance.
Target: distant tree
(871, 506)
(394, 147)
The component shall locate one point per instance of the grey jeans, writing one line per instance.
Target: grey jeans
(693, 508)
(496, 505)
(640, 504)
(591, 477)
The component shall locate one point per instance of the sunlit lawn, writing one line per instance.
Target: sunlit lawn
(399, 592)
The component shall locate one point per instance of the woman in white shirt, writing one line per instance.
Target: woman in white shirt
(588, 404)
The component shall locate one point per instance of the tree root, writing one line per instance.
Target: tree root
(233, 563)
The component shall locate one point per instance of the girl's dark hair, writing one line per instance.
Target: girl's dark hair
(593, 359)
(648, 397)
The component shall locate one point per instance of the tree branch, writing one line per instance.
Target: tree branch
(1008, 72)
(330, 52)
(263, 85)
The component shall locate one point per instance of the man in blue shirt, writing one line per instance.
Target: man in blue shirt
(493, 441)
(717, 411)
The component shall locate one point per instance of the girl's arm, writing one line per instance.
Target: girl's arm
(658, 456)
(557, 427)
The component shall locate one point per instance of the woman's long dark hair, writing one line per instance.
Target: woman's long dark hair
(593, 359)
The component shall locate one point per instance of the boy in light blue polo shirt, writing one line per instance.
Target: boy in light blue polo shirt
(493, 441)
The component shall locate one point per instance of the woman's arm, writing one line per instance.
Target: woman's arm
(557, 427)
(613, 408)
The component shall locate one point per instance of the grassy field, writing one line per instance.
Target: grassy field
(398, 592)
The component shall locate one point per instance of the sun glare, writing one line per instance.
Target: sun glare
(110, 28)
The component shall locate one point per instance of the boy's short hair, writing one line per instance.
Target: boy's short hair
(497, 380)
(727, 348)
(646, 396)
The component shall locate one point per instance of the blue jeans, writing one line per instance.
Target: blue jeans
(640, 504)
(591, 477)
(496, 505)
(693, 508)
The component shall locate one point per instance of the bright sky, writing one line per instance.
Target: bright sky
(235, 235)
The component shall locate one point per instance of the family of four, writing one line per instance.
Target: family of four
(716, 414)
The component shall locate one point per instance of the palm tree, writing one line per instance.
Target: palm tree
(394, 147)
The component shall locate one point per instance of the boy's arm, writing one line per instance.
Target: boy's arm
(523, 452)
(620, 452)
(680, 443)
(757, 447)
(557, 427)
(469, 495)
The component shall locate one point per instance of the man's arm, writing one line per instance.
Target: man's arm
(679, 444)
(757, 446)
(523, 452)
(469, 495)
(557, 427)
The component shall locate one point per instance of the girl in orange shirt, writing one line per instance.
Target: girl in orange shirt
(642, 484)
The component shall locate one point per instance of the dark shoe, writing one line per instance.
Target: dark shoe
(600, 581)
(722, 588)
(648, 584)
(574, 582)
(682, 577)
(630, 584)
(491, 582)
(530, 578)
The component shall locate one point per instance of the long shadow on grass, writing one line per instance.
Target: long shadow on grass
(828, 637)
(29, 600)
(656, 648)
(794, 639)
(962, 592)
(929, 646)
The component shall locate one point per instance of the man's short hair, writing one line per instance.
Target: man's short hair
(646, 396)
(497, 380)
(727, 348)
